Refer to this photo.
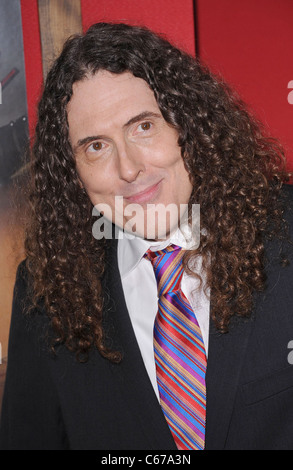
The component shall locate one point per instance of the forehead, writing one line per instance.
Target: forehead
(109, 98)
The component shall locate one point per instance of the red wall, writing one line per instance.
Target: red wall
(32, 56)
(151, 13)
(173, 18)
(249, 42)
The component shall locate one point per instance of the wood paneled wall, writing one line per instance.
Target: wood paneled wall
(59, 19)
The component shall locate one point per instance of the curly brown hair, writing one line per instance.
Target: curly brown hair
(236, 171)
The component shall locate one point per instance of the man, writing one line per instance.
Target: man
(105, 351)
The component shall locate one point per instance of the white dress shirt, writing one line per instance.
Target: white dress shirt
(140, 291)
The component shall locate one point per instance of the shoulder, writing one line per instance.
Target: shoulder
(22, 289)
(287, 200)
(27, 320)
(22, 276)
(287, 195)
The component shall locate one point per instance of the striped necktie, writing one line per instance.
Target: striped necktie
(179, 353)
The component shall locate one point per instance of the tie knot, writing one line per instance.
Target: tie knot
(167, 265)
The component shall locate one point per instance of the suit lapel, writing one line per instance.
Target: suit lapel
(225, 359)
(135, 383)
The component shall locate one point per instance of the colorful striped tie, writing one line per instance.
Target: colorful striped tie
(179, 353)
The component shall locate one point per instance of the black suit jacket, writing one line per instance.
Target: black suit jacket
(58, 403)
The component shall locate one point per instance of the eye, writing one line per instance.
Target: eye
(145, 126)
(96, 147)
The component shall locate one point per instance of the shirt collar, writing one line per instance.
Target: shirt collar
(131, 248)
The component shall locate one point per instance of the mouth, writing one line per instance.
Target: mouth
(147, 195)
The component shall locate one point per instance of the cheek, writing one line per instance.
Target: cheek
(99, 189)
(164, 151)
(170, 154)
(94, 180)
(175, 165)
(181, 184)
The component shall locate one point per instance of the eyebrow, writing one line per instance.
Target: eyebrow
(141, 116)
(133, 120)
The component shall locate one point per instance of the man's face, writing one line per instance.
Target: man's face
(124, 147)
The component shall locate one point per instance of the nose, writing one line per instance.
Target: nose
(129, 161)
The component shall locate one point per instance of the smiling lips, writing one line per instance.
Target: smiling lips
(147, 195)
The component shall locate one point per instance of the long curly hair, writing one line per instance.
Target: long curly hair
(236, 171)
